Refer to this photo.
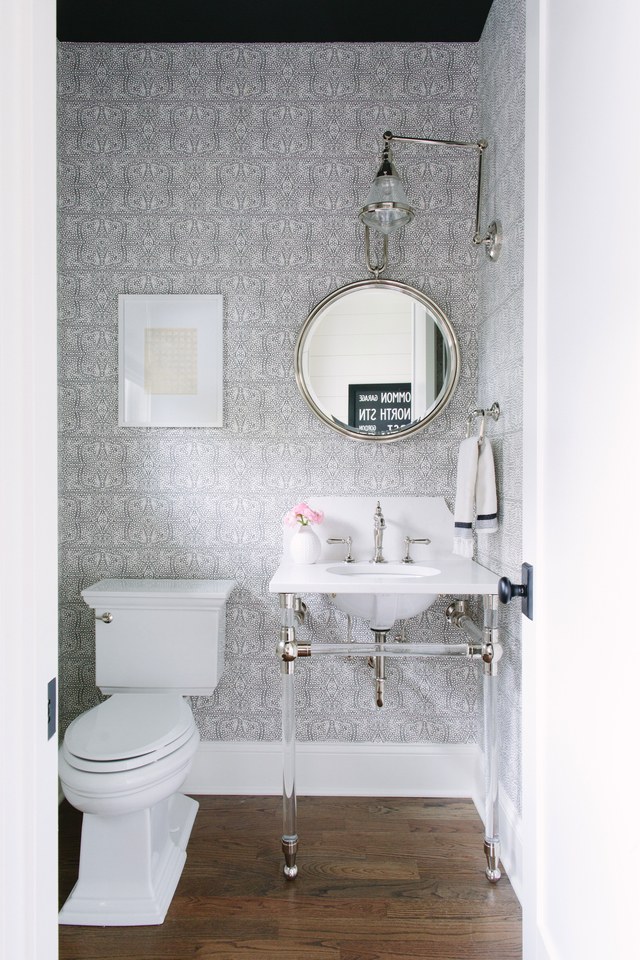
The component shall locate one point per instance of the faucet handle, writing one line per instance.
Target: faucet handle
(348, 558)
(407, 542)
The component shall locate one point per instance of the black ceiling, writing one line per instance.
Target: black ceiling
(281, 21)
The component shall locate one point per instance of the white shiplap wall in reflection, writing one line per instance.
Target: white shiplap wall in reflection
(368, 341)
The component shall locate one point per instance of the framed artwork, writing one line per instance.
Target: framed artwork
(170, 352)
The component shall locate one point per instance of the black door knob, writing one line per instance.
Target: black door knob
(508, 590)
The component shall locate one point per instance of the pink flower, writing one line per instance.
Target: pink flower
(302, 513)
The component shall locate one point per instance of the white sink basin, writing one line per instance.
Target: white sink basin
(383, 572)
(383, 609)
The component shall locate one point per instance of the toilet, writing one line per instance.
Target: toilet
(123, 762)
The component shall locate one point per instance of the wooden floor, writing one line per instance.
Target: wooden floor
(378, 880)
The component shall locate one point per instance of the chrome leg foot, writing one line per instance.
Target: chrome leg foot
(290, 850)
(492, 853)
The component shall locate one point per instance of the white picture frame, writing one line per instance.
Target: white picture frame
(170, 360)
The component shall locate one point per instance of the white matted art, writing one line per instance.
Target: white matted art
(170, 360)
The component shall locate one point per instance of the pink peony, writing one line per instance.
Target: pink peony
(302, 513)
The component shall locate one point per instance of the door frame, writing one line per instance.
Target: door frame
(28, 479)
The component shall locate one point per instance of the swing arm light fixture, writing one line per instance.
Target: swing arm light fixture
(387, 207)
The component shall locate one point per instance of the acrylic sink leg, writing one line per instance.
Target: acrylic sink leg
(286, 650)
(490, 692)
(289, 811)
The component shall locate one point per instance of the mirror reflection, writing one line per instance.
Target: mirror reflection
(377, 360)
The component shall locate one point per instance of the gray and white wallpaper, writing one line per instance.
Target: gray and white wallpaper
(239, 169)
(501, 92)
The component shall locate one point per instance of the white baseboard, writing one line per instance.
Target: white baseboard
(337, 769)
(511, 843)
(358, 770)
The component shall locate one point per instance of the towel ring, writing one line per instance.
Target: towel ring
(493, 412)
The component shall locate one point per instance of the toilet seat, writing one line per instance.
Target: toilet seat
(128, 731)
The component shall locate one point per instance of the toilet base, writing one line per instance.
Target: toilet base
(130, 865)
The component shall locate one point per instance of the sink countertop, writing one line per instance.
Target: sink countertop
(412, 516)
(457, 575)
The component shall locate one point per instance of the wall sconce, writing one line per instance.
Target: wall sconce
(387, 207)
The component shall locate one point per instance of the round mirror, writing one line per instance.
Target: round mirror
(377, 360)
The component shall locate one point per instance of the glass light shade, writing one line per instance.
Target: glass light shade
(387, 207)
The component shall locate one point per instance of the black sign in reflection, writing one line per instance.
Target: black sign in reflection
(378, 408)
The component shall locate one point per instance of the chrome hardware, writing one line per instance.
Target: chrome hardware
(456, 611)
(492, 240)
(380, 636)
(482, 645)
(376, 269)
(488, 653)
(493, 412)
(288, 649)
(290, 850)
(348, 558)
(492, 853)
(407, 542)
(402, 636)
(300, 609)
(378, 533)
(105, 617)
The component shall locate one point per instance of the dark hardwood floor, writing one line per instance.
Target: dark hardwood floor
(395, 879)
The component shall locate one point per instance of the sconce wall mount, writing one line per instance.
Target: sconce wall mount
(387, 207)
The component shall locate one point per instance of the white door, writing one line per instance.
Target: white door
(28, 552)
(581, 526)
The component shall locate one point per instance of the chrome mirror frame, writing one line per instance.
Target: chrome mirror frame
(448, 335)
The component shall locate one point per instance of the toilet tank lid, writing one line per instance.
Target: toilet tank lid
(133, 589)
(128, 725)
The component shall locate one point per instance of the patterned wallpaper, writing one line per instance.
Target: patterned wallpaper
(198, 168)
(500, 311)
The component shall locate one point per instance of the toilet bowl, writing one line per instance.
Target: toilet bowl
(123, 762)
(127, 753)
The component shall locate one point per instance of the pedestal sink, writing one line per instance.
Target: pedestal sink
(382, 609)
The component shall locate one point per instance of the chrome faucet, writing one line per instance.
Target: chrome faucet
(378, 533)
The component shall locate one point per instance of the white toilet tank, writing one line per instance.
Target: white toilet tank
(164, 636)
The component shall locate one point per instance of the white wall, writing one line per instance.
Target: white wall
(583, 323)
(28, 559)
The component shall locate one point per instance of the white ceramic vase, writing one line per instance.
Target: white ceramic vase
(304, 546)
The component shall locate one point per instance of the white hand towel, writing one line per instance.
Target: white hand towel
(476, 496)
(465, 497)
(486, 495)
